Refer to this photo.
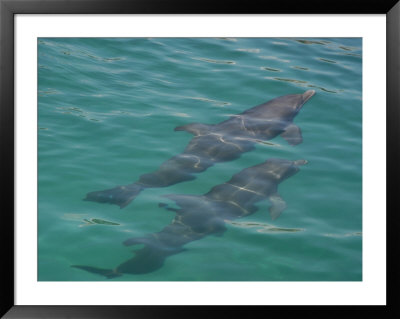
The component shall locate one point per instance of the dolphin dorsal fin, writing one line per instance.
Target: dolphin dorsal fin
(194, 128)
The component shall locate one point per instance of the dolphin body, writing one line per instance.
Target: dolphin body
(200, 216)
(215, 143)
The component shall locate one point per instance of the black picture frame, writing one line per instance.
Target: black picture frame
(8, 8)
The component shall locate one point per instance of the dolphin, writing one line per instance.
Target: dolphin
(215, 143)
(203, 215)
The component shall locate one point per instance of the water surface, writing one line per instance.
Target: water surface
(107, 109)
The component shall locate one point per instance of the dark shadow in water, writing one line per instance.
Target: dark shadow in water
(270, 69)
(203, 215)
(290, 80)
(215, 143)
(326, 60)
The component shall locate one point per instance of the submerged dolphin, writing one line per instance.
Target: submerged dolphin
(215, 143)
(199, 216)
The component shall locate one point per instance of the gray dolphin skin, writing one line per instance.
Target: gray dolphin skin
(215, 143)
(203, 215)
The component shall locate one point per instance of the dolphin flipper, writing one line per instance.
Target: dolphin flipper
(184, 200)
(120, 195)
(292, 135)
(194, 128)
(278, 205)
(138, 241)
(164, 205)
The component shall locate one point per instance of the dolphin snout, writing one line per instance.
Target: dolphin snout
(300, 162)
(307, 95)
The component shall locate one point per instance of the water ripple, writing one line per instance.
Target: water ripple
(270, 69)
(214, 61)
(249, 50)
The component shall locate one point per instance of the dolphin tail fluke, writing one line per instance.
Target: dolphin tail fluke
(120, 195)
(109, 273)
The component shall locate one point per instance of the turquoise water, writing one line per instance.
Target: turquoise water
(107, 109)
